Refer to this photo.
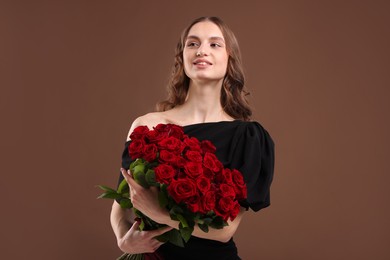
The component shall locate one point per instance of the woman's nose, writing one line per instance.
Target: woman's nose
(202, 50)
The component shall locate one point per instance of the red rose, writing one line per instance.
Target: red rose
(162, 128)
(194, 156)
(227, 191)
(139, 132)
(194, 203)
(239, 184)
(164, 173)
(182, 189)
(203, 184)
(150, 152)
(224, 206)
(208, 173)
(181, 175)
(175, 131)
(180, 162)
(235, 211)
(208, 201)
(171, 144)
(193, 144)
(193, 169)
(238, 179)
(225, 176)
(208, 147)
(167, 157)
(136, 148)
(211, 162)
(154, 136)
(170, 130)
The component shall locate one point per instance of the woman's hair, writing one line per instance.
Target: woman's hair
(233, 91)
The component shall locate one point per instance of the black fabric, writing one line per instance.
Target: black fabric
(241, 145)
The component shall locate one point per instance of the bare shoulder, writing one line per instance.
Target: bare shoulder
(150, 120)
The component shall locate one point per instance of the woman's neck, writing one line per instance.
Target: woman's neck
(203, 103)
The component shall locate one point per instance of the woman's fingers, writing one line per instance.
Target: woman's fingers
(129, 178)
(131, 181)
(135, 226)
(125, 175)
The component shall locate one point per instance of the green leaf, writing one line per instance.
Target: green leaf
(127, 256)
(139, 177)
(176, 210)
(105, 188)
(186, 233)
(210, 213)
(142, 225)
(182, 220)
(206, 221)
(139, 169)
(163, 237)
(150, 177)
(109, 195)
(162, 199)
(137, 165)
(123, 187)
(218, 223)
(125, 203)
(204, 228)
(175, 238)
(137, 213)
(122, 257)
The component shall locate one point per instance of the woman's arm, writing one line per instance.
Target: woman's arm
(146, 200)
(129, 238)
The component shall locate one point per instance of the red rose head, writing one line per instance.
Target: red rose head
(182, 189)
(207, 147)
(164, 173)
(211, 162)
(193, 169)
(136, 148)
(139, 132)
(171, 144)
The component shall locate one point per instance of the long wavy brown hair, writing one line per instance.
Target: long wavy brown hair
(233, 91)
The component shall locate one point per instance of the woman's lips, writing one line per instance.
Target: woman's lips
(202, 63)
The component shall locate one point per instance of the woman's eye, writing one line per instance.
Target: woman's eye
(192, 44)
(215, 45)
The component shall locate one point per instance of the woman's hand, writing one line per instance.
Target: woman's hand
(136, 241)
(145, 200)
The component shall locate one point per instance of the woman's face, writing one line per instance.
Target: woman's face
(206, 40)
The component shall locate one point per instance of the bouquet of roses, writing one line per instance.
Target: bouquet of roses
(193, 184)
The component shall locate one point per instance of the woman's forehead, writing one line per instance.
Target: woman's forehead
(205, 30)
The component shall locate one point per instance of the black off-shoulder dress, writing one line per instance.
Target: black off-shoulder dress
(241, 145)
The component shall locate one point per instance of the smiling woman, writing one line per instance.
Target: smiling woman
(204, 39)
(207, 97)
(205, 42)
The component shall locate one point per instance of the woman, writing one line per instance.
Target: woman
(207, 98)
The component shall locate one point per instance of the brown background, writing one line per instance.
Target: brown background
(75, 74)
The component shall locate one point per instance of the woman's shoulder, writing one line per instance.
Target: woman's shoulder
(150, 120)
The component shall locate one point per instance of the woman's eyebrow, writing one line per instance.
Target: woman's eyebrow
(211, 38)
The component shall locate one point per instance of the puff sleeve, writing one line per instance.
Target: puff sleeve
(254, 158)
